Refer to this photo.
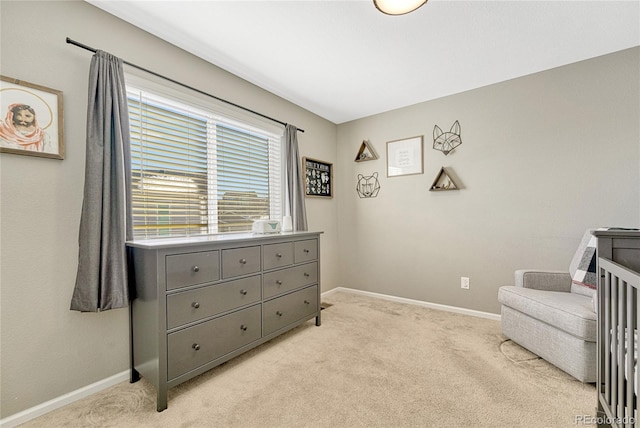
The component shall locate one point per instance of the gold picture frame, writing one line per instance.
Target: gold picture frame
(31, 119)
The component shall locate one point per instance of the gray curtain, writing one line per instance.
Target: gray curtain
(105, 225)
(294, 198)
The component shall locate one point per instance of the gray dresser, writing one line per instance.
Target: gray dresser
(201, 301)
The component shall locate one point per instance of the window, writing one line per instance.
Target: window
(195, 171)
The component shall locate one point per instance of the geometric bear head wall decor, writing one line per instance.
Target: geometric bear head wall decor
(447, 141)
(368, 187)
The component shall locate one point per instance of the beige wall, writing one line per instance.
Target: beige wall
(543, 158)
(48, 350)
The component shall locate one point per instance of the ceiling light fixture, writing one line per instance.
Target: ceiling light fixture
(398, 7)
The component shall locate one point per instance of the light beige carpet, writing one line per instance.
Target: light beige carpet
(372, 363)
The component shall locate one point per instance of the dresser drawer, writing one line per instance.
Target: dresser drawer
(306, 250)
(277, 255)
(280, 312)
(240, 261)
(281, 281)
(192, 268)
(194, 346)
(189, 306)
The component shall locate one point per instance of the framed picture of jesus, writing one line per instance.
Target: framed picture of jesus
(31, 119)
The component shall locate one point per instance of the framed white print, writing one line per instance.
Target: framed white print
(31, 119)
(404, 157)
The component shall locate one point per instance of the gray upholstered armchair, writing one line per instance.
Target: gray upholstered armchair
(552, 313)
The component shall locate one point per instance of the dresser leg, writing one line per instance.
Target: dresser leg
(318, 320)
(134, 376)
(161, 401)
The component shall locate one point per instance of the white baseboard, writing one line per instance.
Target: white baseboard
(464, 311)
(78, 394)
(63, 400)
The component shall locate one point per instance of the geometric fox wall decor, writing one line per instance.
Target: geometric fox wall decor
(447, 141)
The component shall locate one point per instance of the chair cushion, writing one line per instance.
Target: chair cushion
(570, 312)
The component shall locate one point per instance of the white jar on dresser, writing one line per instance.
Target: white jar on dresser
(201, 301)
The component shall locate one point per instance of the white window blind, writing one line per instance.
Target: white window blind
(196, 172)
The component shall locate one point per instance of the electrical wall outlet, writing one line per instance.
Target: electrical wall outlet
(464, 282)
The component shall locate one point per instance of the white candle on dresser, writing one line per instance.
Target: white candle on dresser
(287, 225)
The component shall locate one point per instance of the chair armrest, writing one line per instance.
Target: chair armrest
(543, 280)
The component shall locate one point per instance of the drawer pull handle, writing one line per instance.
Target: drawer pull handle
(243, 261)
(196, 346)
(278, 282)
(278, 313)
(306, 275)
(306, 302)
(196, 269)
(195, 305)
(243, 327)
(306, 250)
(279, 255)
(243, 292)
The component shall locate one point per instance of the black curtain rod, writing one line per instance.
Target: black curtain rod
(83, 46)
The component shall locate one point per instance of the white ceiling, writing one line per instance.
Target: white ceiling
(344, 60)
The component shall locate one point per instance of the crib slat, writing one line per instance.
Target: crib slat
(621, 343)
(635, 378)
(629, 365)
(607, 299)
(605, 318)
(614, 345)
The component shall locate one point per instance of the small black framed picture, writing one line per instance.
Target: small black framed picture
(318, 178)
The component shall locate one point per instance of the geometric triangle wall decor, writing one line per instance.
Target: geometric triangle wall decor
(443, 181)
(366, 152)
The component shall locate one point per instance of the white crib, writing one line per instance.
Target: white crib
(618, 319)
